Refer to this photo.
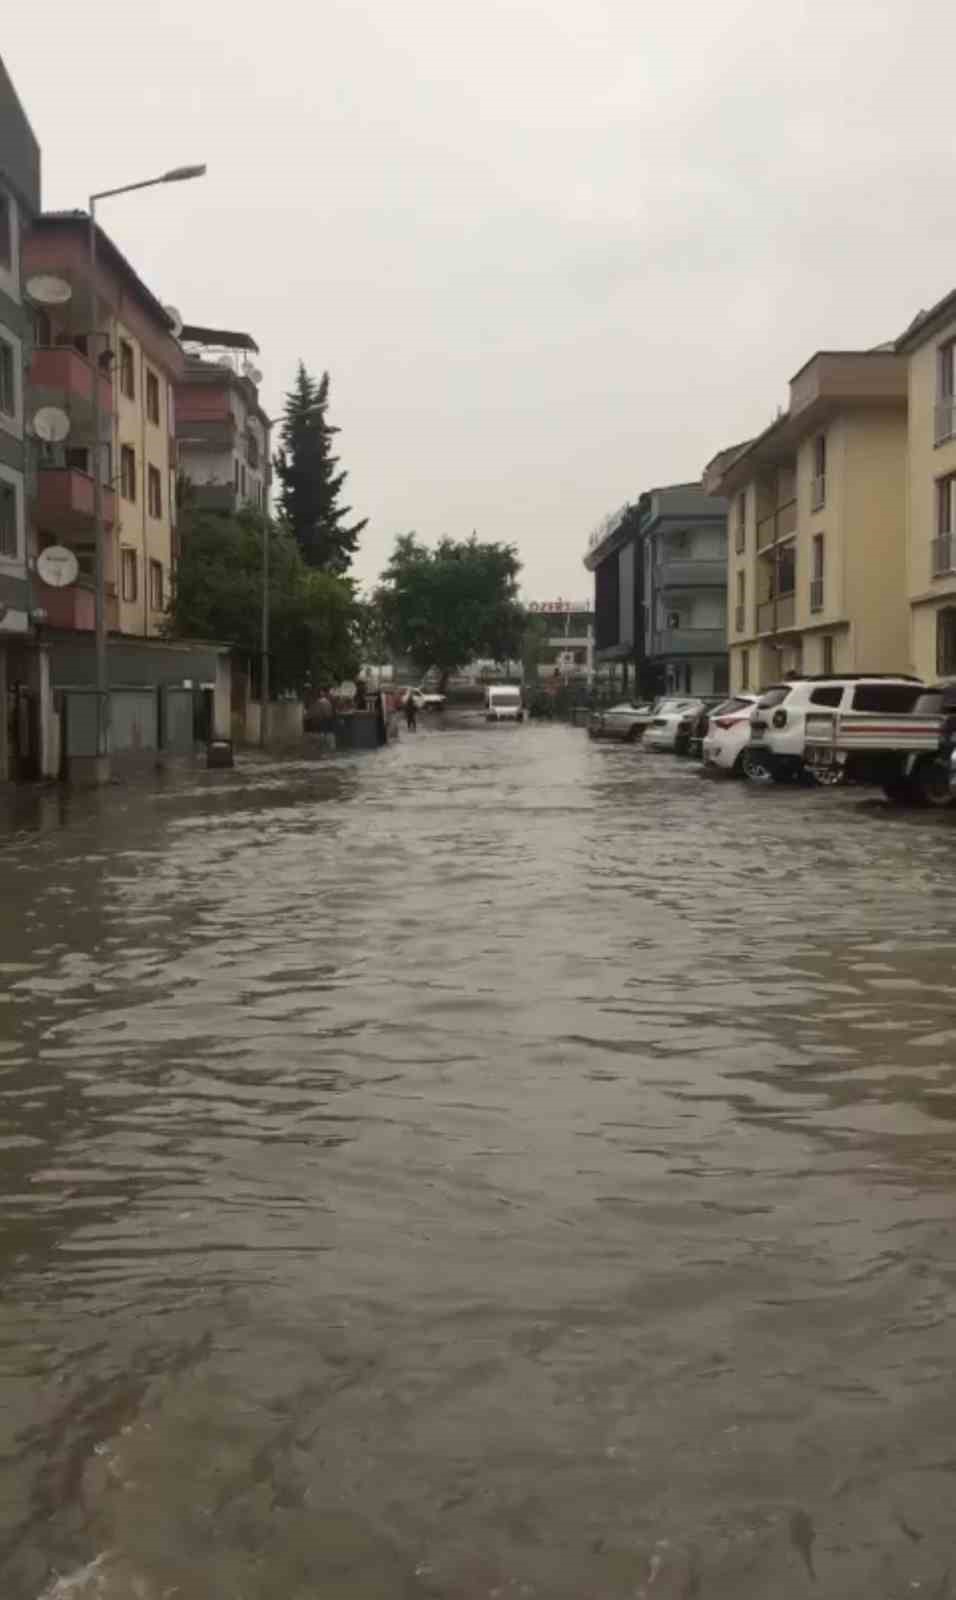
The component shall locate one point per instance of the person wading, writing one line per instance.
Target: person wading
(411, 712)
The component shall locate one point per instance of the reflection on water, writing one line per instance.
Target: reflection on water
(502, 1166)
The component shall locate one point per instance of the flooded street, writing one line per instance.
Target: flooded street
(505, 1166)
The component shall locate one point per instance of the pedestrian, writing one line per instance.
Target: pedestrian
(325, 718)
(411, 711)
(361, 695)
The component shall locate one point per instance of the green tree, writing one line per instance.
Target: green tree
(534, 647)
(310, 482)
(444, 607)
(218, 595)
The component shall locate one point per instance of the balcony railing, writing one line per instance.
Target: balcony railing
(779, 525)
(818, 492)
(740, 617)
(945, 418)
(65, 373)
(689, 641)
(941, 554)
(816, 594)
(65, 501)
(678, 573)
(773, 615)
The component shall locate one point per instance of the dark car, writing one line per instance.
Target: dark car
(691, 731)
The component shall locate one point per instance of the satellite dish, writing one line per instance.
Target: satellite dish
(51, 424)
(57, 566)
(47, 290)
(253, 374)
(176, 319)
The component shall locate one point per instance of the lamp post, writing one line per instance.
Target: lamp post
(102, 762)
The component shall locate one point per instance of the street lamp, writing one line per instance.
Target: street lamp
(102, 763)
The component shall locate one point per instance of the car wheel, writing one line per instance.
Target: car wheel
(756, 768)
(631, 736)
(931, 782)
(739, 770)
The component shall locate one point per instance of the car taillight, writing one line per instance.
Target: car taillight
(780, 719)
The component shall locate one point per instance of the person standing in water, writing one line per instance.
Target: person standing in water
(411, 712)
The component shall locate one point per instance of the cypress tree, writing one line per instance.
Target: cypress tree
(310, 480)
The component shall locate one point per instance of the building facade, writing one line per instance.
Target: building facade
(111, 332)
(19, 202)
(683, 542)
(612, 558)
(223, 434)
(567, 650)
(817, 503)
(929, 349)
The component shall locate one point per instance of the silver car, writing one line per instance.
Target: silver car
(625, 721)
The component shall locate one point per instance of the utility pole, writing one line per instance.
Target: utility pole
(102, 761)
(264, 666)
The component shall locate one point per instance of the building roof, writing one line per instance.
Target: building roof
(221, 338)
(51, 221)
(925, 323)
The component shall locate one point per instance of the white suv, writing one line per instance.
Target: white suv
(778, 720)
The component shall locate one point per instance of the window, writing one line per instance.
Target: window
(9, 520)
(819, 486)
(252, 450)
(891, 699)
(741, 602)
(786, 569)
(740, 541)
(235, 474)
(8, 379)
(156, 585)
(816, 574)
(154, 487)
(946, 642)
(127, 373)
(129, 574)
(745, 669)
(945, 391)
(943, 544)
(152, 397)
(6, 231)
(827, 643)
(242, 481)
(77, 458)
(128, 472)
(830, 696)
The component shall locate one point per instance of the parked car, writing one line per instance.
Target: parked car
(624, 721)
(662, 730)
(778, 723)
(425, 699)
(904, 746)
(727, 734)
(692, 727)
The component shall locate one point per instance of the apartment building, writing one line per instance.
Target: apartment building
(114, 333)
(817, 508)
(929, 348)
(683, 536)
(612, 557)
(222, 432)
(19, 200)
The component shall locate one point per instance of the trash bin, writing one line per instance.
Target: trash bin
(219, 753)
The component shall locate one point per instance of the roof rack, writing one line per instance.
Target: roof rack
(847, 677)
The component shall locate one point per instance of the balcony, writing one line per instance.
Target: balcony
(674, 573)
(780, 524)
(775, 615)
(690, 641)
(60, 375)
(941, 554)
(818, 492)
(816, 594)
(64, 501)
(944, 419)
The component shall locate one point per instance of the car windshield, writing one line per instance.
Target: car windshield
(736, 703)
(669, 706)
(506, 697)
(773, 697)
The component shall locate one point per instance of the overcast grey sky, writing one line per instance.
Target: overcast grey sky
(551, 251)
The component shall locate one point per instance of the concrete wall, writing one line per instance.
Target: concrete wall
(148, 537)
(875, 541)
(927, 462)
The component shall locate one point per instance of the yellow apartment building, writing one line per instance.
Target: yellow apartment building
(929, 348)
(817, 568)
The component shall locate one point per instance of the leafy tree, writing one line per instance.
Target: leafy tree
(218, 595)
(310, 482)
(444, 607)
(534, 647)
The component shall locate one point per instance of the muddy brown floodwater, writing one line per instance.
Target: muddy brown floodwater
(506, 1166)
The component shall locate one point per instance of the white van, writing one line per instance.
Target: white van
(504, 704)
